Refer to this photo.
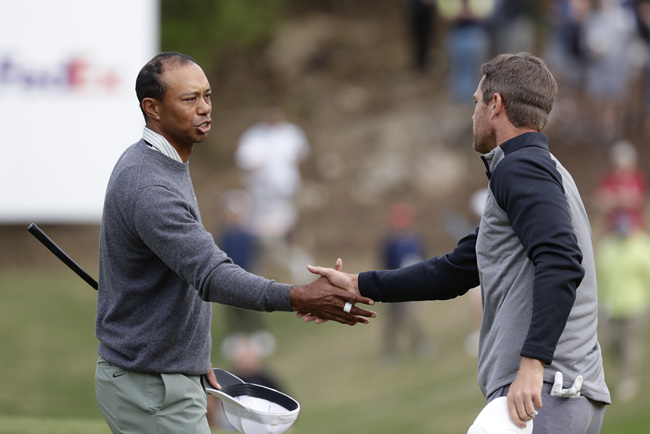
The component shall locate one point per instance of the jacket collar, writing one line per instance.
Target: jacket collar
(492, 158)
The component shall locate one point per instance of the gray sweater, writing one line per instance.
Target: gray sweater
(159, 268)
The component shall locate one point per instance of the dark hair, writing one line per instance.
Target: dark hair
(148, 84)
(526, 85)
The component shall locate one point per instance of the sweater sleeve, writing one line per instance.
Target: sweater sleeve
(439, 278)
(168, 225)
(531, 192)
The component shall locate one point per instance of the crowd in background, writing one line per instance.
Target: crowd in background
(599, 51)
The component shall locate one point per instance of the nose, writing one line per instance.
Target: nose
(205, 106)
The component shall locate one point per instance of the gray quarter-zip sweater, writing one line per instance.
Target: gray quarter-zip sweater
(532, 255)
(159, 269)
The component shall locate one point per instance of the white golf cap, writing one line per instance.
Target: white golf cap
(495, 419)
(252, 408)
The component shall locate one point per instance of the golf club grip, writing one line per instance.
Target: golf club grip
(47, 242)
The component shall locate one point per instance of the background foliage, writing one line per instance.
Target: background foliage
(205, 28)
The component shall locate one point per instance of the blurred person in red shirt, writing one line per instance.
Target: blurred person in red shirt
(621, 194)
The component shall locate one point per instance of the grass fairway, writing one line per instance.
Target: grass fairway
(48, 352)
(41, 425)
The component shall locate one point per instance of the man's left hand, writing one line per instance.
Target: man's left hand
(212, 379)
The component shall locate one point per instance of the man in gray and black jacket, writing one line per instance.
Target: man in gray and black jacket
(532, 255)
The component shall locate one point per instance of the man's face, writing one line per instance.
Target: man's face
(186, 107)
(484, 134)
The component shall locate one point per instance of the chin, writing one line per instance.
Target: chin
(484, 144)
(479, 147)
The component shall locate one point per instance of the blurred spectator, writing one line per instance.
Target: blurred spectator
(236, 239)
(467, 43)
(621, 194)
(477, 204)
(402, 247)
(623, 266)
(623, 261)
(235, 234)
(567, 55)
(421, 20)
(642, 9)
(609, 32)
(246, 353)
(511, 27)
(457, 225)
(270, 153)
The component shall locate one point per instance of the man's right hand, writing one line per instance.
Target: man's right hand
(349, 282)
(323, 299)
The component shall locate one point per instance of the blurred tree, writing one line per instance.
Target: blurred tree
(205, 28)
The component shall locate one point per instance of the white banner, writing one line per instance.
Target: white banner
(68, 107)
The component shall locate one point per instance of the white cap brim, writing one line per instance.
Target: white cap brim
(495, 419)
(256, 409)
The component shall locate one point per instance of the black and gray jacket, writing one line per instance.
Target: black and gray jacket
(533, 257)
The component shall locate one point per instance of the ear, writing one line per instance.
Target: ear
(496, 105)
(150, 107)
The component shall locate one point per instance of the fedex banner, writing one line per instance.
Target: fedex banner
(67, 102)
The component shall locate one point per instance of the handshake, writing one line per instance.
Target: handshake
(331, 297)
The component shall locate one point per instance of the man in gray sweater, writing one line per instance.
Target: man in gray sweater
(159, 268)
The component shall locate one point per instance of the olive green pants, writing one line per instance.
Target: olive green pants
(137, 403)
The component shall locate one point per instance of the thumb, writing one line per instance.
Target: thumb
(336, 278)
(314, 269)
(212, 378)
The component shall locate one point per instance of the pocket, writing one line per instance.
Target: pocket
(107, 372)
(560, 414)
(566, 401)
(562, 402)
(156, 392)
(183, 392)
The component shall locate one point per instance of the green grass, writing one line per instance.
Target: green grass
(40, 425)
(48, 353)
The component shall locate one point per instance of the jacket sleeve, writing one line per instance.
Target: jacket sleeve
(531, 192)
(439, 278)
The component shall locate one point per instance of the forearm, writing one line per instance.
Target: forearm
(554, 294)
(440, 278)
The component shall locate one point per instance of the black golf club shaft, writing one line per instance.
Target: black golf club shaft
(59, 253)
